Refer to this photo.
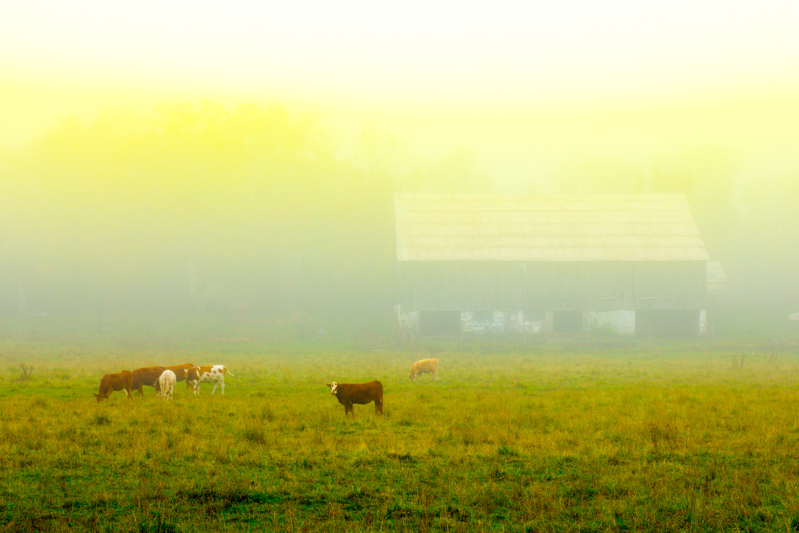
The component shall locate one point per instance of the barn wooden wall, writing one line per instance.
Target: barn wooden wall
(545, 286)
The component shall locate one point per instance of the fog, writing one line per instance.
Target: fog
(144, 188)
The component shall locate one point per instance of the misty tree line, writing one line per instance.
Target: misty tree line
(200, 207)
(252, 210)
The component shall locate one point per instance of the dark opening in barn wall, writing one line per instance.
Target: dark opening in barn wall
(566, 321)
(667, 322)
(439, 322)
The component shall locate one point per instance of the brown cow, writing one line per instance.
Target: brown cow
(180, 372)
(360, 393)
(425, 366)
(146, 376)
(115, 382)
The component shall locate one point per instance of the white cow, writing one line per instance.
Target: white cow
(166, 384)
(207, 374)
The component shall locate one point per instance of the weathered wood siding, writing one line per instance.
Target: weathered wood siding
(671, 286)
(545, 286)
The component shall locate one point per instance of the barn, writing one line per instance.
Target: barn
(633, 263)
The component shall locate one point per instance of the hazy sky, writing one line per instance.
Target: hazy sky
(591, 75)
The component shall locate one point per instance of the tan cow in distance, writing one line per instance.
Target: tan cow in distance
(425, 366)
(146, 376)
(115, 382)
(360, 393)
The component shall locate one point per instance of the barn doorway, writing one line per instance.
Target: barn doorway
(432, 323)
(567, 321)
(667, 323)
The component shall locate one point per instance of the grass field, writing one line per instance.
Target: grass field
(544, 437)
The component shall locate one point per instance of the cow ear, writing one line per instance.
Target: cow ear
(329, 385)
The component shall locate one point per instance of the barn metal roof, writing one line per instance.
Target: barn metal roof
(619, 227)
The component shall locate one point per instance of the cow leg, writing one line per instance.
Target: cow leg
(222, 385)
(379, 406)
(435, 374)
(216, 384)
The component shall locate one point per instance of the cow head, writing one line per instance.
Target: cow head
(101, 397)
(333, 387)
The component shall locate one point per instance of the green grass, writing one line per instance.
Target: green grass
(676, 437)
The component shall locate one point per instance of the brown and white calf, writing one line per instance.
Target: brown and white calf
(360, 393)
(146, 376)
(166, 384)
(207, 374)
(115, 382)
(425, 366)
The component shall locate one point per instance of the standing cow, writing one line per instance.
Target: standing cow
(146, 376)
(166, 384)
(360, 393)
(180, 372)
(115, 382)
(425, 366)
(207, 374)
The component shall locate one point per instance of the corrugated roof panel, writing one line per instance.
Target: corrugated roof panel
(605, 242)
(535, 218)
(653, 227)
(498, 230)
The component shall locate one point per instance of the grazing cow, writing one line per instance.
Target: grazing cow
(180, 372)
(115, 382)
(425, 366)
(146, 376)
(210, 374)
(166, 384)
(360, 393)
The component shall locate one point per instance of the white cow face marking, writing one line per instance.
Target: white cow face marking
(333, 387)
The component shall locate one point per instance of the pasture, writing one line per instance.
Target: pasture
(681, 436)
